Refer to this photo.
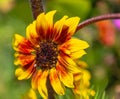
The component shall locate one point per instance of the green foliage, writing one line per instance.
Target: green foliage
(79, 8)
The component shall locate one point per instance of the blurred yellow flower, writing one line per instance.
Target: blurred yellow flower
(6, 5)
(30, 95)
(82, 82)
(48, 53)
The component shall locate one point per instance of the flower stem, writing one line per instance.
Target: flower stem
(50, 90)
(98, 18)
(37, 7)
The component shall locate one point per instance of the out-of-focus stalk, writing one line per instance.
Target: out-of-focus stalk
(37, 7)
(98, 18)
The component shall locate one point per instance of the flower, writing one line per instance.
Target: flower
(117, 23)
(82, 82)
(30, 95)
(48, 53)
(6, 5)
(107, 32)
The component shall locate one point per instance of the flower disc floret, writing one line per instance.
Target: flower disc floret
(46, 55)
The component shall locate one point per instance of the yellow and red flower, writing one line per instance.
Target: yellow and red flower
(48, 52)
(82, 82)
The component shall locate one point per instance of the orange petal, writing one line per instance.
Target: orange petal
(77, 76)
(67, 62)
(44, 24)
(49, 17)
(81, 63)
(32, 34)
(74, 47)
(23, 59)
(55, 82)
(58, 26)
(22, 45)
(75, 44)
(42, 84)
(77, 82)
(41, 25)
(25, 74)
(35, 78)
(65, 76)
(68, 29)
(63, 37)
(72, 24)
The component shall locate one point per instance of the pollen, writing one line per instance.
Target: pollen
(46, 55)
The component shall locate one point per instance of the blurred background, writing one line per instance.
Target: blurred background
(103, 55)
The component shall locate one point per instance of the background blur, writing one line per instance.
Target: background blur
(103, 55)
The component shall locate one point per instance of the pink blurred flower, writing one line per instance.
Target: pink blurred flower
(117, 23)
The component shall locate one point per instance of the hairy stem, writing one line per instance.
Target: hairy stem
(98, 18)
(37, 7)
(50, 90)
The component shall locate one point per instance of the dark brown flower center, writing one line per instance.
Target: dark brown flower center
(46, 55)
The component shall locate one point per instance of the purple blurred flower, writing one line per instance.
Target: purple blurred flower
(117, 23)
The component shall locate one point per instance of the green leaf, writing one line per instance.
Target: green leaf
(79, 8)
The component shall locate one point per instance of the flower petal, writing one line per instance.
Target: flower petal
(68, 29)
(49, 17)
(86, 78)
(22, 59)
(42, 84)
(65, 76)
(25, 74)
(35, 79)
(32, 34)
(74, 48)
(44, 25)
(82, 85)
(67, 62)
(55, 82)
(77, 76)
(58, 27)
(77, 54)
(30, 95)
(22, 45)
(81, 63)
(41, 25)
(72, 24)
(75, 44)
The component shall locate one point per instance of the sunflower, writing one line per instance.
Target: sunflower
(48, 53)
